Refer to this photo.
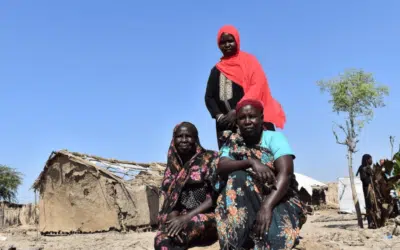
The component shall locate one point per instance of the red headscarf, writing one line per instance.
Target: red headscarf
(255, 103)
(245, 70)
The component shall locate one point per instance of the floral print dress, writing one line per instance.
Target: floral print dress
(185, 187)
(241, 198)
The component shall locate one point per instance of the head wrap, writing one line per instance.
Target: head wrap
(364, 160)
(245, 70)
(255, 103)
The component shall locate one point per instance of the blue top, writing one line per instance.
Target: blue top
(275, 141)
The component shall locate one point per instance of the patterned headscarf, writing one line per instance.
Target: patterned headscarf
(177, 174)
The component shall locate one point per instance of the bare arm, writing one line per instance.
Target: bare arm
(207, 204)
(284, 168)
(177, 224)
(227, 166)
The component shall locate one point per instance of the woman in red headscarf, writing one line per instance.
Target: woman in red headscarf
(236, 76)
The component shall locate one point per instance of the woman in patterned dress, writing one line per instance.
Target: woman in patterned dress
(187, 215)
(258, 206)
(238, 75)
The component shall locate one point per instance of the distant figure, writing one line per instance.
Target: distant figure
(238, 75)
(365, 171)
(187, 215)
(258, 206)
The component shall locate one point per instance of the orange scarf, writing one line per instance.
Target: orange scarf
(245, 70)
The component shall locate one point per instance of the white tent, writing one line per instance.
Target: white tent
(308, 183)
(346, 204)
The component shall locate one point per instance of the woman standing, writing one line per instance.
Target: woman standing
(187, 215)
(365, 171)
(258, 206)
(238, 75)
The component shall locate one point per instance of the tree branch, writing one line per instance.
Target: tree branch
(337, 137)
(342, 128)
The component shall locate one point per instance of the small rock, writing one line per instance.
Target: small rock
(397, 220)
(367, 234)
(396, 231)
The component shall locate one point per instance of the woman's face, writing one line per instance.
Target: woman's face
(185, 140)
(249, 121)
(369, 161)
(227, 45)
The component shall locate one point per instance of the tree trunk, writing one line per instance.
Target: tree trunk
(353, 189)
(391, 153)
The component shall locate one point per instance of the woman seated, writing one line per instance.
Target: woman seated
(187, 215)
(258, 206)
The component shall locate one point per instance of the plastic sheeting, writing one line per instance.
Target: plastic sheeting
(308, 183)
(346, 204)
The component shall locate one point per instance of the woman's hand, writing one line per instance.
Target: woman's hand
(231, 117)
(177, 224)
(263, 172)
(227, 121)
(263, 221)
(172, 215)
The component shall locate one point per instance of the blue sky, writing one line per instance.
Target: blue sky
(112, 79)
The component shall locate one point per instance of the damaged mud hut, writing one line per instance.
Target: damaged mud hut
(12, 214)
(80, 193)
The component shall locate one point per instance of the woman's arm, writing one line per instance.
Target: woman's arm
(284, 169)
(210, 98)
(177, 224)
(227, 166)
(207, 204)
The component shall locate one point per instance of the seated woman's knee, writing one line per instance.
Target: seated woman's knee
(239, 175)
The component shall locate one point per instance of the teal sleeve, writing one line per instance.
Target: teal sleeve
(225, 152)
(279, 145)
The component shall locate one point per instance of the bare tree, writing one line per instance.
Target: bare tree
(355, 94)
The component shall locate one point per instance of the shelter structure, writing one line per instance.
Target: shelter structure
(345, 195)
(311, 191)
(12, 214)
(80, 193)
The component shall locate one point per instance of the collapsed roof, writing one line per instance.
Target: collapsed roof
(115, 169)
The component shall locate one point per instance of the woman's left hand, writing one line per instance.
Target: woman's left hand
(230, 118)
(263, 221)
(177, 224)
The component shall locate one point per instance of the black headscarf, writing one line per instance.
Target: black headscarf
(364, 162)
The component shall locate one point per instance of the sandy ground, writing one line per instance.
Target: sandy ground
(324, 230)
